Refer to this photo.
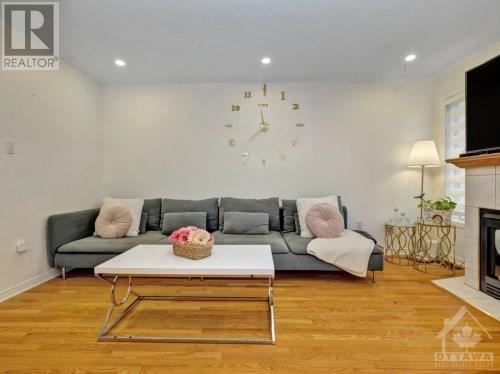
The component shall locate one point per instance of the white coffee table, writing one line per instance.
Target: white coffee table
(147, 261)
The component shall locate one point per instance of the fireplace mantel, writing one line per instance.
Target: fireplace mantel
(487, 159)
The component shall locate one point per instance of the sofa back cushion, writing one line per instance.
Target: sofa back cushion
(289, 209)
(210, 206)
(175, 221)
(153, 209)
(270, 206)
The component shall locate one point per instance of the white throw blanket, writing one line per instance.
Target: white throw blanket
(350, 252)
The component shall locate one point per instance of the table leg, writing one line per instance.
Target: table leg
(109, 324)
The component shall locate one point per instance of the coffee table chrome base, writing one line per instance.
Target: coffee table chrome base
(109, 323)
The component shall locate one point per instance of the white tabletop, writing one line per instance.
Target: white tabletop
(159, 260)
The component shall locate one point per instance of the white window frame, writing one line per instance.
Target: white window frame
(460, 95)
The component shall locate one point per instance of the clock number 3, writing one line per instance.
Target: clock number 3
(235, 108)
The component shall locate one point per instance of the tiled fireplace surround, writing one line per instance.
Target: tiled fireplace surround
(482, 190)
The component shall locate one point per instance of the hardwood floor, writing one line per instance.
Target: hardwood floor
(324, 323)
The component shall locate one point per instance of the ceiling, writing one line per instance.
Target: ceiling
(166, 41)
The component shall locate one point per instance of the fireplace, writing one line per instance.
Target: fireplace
(489, 268)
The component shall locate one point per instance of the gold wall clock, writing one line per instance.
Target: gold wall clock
(261, 104)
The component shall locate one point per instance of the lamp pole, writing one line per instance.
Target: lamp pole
(422, 195)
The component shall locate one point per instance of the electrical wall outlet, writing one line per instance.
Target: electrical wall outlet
(22, 246)
(10, 148)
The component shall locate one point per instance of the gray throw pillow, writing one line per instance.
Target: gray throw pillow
(142, 225)
(174, 221)
(246, 223)
(297, 225)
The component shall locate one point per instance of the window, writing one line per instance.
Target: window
(455, 145)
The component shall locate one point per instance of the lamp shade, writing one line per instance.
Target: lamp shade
(424, 153)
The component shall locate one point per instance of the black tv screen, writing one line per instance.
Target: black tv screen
(483, 107)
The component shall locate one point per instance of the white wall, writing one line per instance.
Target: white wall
(53, 118)
(448, 86)
(170, 140)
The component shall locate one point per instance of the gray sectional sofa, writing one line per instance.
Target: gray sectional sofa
(71, 244)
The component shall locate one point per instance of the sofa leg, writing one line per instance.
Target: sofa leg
(63, 273)
(373, 276)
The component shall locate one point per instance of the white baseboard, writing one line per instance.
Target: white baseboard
(30, 283)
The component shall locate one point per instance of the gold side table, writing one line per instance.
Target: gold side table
(399, 243)
(435, 243)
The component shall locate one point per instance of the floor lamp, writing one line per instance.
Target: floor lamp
(423, 154)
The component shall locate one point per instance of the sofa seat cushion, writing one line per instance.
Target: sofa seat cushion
(298, 244)
(274, 239)
(94, 244)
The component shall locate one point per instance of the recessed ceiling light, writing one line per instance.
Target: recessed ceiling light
(410, 57)
(120, 62)
(266, 60)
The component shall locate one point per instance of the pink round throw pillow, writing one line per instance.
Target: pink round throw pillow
(113, 222)
(325, 221)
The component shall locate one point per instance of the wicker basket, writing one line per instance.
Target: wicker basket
(193, 251)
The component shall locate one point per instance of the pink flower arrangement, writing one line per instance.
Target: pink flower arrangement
(191, 235)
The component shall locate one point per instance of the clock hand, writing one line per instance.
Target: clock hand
(264, 126)
(254, 136)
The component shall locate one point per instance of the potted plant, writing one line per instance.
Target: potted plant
(437, 212)
(443, 209)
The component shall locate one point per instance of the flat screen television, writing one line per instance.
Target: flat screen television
(483, 108)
